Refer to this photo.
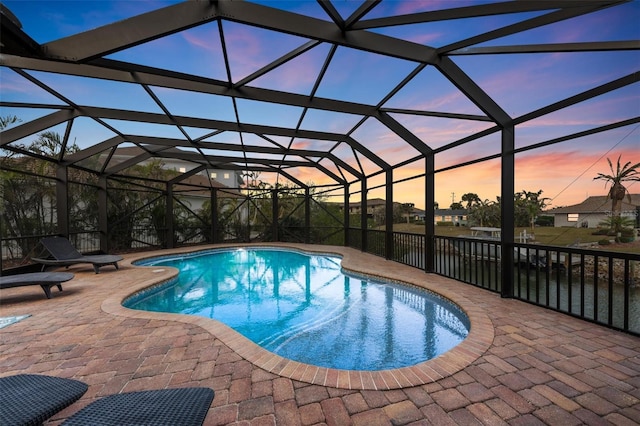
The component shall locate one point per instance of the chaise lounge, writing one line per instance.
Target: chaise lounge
(175, 407)
(31, 399)
(64, 254)
(46, 280)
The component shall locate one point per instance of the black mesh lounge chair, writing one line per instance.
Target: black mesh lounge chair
(64, 254)
(175, 407)
(46, 280)
(30, 399)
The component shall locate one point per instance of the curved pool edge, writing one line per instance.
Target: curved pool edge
(480, 337)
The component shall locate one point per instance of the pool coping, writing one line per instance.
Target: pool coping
(480, 337)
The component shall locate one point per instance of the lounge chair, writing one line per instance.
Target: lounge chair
(176, 407)
(64, 254)
(46, 280)
(30, 399)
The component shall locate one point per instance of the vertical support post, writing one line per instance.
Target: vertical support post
(507, 208)
(274, 214)
(346, 215)
(388, 229)
(1, 223)
(247, 204)
(103, 223)
(214, 214)
(1, 243)
(363, 215)
(169, 217)
(307, 215)
(62, 200)
(429, 219)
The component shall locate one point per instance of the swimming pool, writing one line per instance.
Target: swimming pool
(303, 307)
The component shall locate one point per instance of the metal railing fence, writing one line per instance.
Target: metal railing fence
(595, 285)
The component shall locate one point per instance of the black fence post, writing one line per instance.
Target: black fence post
(429, 213)
(307, 215)
(507, 208)
(214, 214)
(346, 216)
(363, 216)
(388, 234)
(274, 214)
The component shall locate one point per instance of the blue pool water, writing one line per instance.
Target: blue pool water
(303, 307)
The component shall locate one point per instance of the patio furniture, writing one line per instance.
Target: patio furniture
(46, 280)
(64, 254)
(30, 399)
(176, 407)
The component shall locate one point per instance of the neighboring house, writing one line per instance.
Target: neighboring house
(188, 188)
(228, 178)
(417, 214)
(192, 191)
(374, 205)
(457, 217)
(592, 211)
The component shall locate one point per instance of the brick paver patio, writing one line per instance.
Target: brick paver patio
(521, 365)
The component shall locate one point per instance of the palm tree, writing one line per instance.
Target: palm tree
(627, 173)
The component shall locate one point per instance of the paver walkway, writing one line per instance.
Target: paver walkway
(540, 367)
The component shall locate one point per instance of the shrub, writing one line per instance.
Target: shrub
(444, 223)
(600, 231)
(544, 220)
(604, 242)
(628, 232)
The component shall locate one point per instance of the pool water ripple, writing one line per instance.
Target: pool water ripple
(289, 335)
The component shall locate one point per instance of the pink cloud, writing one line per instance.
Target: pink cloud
(568, 175)
(425, 38)
(415, 6)
(309, 174)
(302, 144)
(449, 100)
(12, 83)
(208, 41)
(295, 76)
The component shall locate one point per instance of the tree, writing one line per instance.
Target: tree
(6, 121)
(456, 206)
(290, 215)
(485, 213)
(134, 204)
(402, 212)
(618, 225)
(471, 199)
(528, 205)
(327, 222)
(28, 200)
(617, 192)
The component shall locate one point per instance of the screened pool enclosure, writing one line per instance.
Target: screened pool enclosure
(129, 128)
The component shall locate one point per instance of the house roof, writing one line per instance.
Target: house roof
(373, 202)
(598, 204)
(122, 154)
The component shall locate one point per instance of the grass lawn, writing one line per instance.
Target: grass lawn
(543, 235)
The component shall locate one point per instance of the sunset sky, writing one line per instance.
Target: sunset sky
(518, 83)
